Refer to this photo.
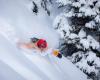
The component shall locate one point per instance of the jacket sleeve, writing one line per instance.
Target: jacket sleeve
(26, 45)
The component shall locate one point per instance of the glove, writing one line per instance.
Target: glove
(55, 52)
(59, 56)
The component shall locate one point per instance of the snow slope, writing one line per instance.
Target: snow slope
(18, 23)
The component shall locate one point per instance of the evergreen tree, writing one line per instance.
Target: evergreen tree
(79, 27)
(41, 4)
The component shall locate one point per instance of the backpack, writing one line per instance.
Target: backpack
(34, 40)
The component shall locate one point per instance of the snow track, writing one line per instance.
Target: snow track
(30, 65)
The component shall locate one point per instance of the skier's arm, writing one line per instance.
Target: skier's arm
(26, 45)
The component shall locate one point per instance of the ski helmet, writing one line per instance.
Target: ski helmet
(42, 43)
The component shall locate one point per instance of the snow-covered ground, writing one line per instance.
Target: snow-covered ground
(17, 22)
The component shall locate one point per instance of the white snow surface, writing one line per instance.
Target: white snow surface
(17, 22)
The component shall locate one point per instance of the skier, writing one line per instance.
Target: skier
(40, 45)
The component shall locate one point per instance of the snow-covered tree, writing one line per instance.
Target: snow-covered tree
(37, 5)
(79, 27)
